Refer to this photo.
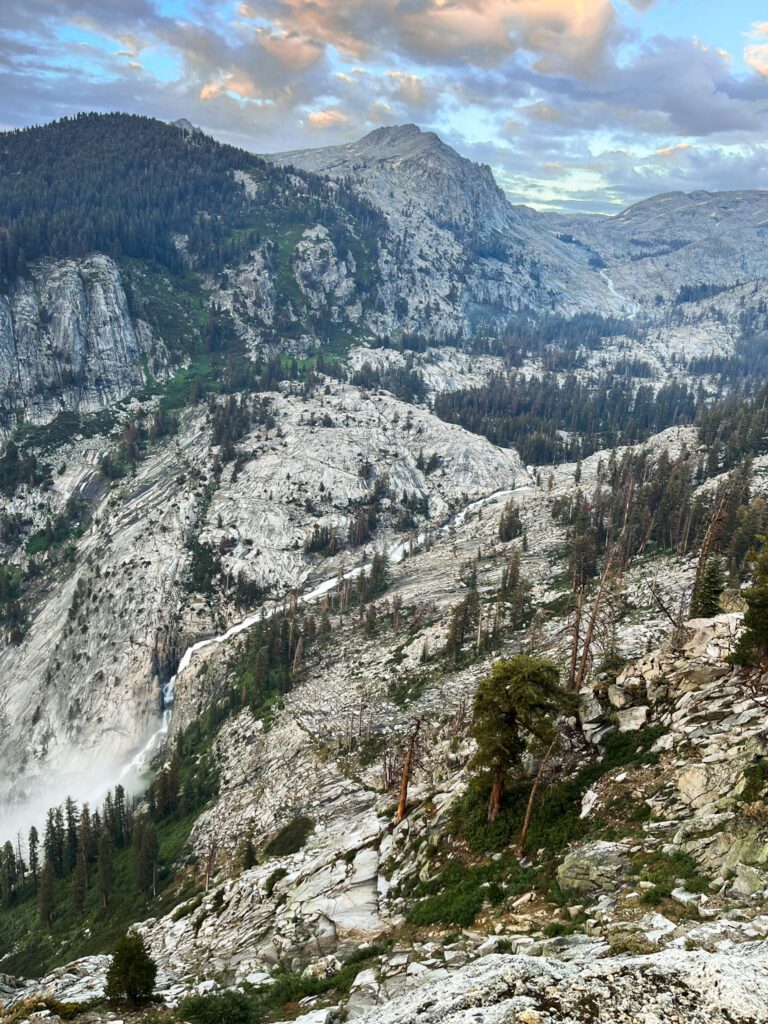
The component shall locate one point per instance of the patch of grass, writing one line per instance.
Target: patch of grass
(457, 894)
(653, 897)
(291, 838)
(664, 869)
(555, 929)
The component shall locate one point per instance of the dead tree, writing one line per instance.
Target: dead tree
(532, 797)
(410, 753)
(210, 861)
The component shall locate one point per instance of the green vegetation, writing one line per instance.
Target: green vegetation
(555, 820)
(17, 467)
(69, 189)
(531, 414)
(278, 1000)
(131, 974)
(290, 839)
(517, 702)
(664, 870)
(12, 613)
(752, 646)
(29, 947)
(457, 894)
(705, 601)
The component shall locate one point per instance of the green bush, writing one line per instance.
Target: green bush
(664, 869)
(132, 972)
(219, 1008)
(653, 897)
(273, 879)
(291, 838)
(457, 894)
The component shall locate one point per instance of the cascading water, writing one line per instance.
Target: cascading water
(395, 554)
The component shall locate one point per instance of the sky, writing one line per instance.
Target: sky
(581, 105)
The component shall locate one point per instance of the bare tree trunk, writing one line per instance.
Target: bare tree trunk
(575, 640)
(402, 803)
(532, 797)
(497, 792)
(209, 862)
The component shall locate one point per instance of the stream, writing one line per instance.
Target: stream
(396, 553)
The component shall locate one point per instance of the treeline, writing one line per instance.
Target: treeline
(552, 421)
(734, 429)
(643, 503)
(131, 186)
(405, 382)
(80, 845)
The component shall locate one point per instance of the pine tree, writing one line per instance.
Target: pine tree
(34, 856)
(249, 854)
(145, 853)
(79, 884)
(510, 524)
(705, 602)
(70, 838)
(105, 867)
(519, 699)
(45, 895)
(132, 972)
(8, 874)
(752, 645)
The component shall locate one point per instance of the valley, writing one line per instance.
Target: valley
(282, 480)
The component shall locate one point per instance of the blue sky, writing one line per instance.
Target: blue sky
(576, 104)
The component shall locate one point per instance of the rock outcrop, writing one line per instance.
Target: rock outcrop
(68, 341)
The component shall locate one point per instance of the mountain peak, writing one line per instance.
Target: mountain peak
(185, 126)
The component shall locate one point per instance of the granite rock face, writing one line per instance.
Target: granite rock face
(68, 341)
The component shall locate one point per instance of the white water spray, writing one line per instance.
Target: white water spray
(395, 554)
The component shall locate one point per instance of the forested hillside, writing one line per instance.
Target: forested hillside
(135, 186)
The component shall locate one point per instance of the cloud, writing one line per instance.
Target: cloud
(673, 150)
(561, 35)
(332, 117)
(756, 56)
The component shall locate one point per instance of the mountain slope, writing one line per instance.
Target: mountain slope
(482, 258)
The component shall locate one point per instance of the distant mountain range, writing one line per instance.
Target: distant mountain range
(121, 236)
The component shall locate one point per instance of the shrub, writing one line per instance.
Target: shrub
(131, 975)
(220, 1008)
(291, 838)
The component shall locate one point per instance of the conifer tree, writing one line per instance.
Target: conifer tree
(705, 601)
(8, 874)
(34, 856)
(519, 699)
(79, 883)
(752, 645)
(105, 868)
(249, 854)
(510, 523)
(45, 895)
(132, 972)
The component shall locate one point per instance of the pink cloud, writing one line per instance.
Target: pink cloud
(563, 35)
(331, 117)
(756, 56)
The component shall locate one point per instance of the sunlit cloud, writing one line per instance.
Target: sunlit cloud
(585, 102)
(332, 117)
(756, 56)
